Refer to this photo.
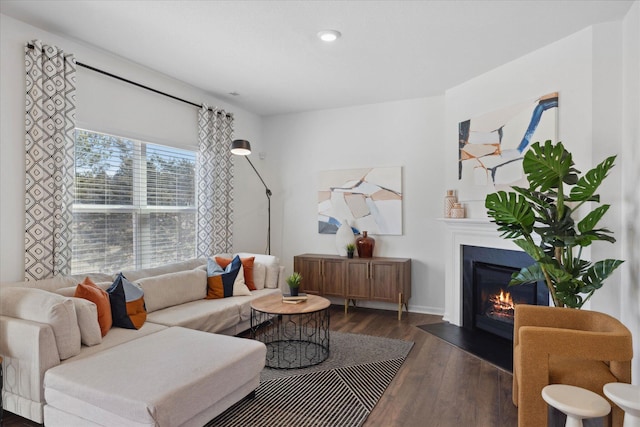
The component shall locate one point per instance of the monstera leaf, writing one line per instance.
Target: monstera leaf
(549, 166)
(598, 272)
(530, 274)
(556, 231)
(511, 212)
(540, 221)
(587, 185)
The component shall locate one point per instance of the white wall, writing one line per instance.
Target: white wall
(596, 74)
(630, 290)
(564, 67)
(606, 128)
(104, 104)
(406, 133)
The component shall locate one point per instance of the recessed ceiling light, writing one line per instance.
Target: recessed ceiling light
(329, 35)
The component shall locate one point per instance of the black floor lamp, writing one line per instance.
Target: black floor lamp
(241, 147)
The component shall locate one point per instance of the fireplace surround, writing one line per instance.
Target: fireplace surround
(487, 301)
(479, 232)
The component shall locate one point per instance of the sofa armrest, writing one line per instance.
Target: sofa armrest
(28, 350)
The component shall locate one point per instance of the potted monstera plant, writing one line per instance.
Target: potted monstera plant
(540, 220)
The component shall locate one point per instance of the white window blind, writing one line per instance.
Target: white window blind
(134, 206)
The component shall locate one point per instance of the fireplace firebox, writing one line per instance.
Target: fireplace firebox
(488, 302)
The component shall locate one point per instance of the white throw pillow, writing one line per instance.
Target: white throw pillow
(272, 264)
(259, 274)
(87, 315)
(45, 307)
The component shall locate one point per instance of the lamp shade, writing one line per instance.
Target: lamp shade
(240, 147)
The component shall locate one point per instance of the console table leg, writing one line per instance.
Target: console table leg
(346, 305)
(400, 306)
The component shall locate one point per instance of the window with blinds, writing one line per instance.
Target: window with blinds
(135, 204)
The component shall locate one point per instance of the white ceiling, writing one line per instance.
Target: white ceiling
(267, 51)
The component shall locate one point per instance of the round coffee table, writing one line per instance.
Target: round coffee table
(296, 335)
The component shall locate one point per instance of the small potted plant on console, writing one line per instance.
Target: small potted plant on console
(351, 248)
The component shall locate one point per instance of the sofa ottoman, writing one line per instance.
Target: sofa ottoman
(174, 377)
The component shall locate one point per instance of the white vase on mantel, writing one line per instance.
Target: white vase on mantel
(344, 236)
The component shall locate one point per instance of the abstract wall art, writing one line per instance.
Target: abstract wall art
(492, 146)
(370, 199)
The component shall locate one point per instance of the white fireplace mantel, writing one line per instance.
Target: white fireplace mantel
(465, 231)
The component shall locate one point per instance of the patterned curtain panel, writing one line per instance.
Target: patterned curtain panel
(50, 122)
(214, 172)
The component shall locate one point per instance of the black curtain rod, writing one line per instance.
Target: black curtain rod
(131, 82)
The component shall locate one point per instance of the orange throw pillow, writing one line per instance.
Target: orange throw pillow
(90, 291)
(247, 268)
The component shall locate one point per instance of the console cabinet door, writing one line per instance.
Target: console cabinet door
(311, 271)
(385, 281)
(357, 279)
(333, 275)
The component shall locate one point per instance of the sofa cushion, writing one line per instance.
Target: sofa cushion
(179, 373)
(174, 267)
(203, 315)
(45, 307)
(220, 281)
(90, 291)
(127, 304)
(50, 284)
(87, 315)
(172, 289)
(95, 277)
(272, 264)
(117, 336)
(247, 269)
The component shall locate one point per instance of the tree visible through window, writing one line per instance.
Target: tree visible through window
(135, 204)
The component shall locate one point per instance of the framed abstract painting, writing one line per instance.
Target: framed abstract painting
(370, 199)
(491, 147)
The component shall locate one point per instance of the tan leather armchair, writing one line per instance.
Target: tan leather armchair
(566, 346)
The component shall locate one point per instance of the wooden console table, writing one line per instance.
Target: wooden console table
(374, 279)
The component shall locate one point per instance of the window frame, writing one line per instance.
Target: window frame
(140, 208)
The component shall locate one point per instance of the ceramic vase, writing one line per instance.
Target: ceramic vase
(365, 245)
(457, 211)
(449, 200)
(344, 236)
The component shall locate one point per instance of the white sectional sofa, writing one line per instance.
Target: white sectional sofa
(181, 368)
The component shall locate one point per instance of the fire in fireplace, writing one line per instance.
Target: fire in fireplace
(488, 301)
(500, 307)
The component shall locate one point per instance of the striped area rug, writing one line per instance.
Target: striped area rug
(342, 396)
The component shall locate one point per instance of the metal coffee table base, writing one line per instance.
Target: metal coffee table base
(293, 340)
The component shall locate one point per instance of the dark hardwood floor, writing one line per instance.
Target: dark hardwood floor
(439, 385)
